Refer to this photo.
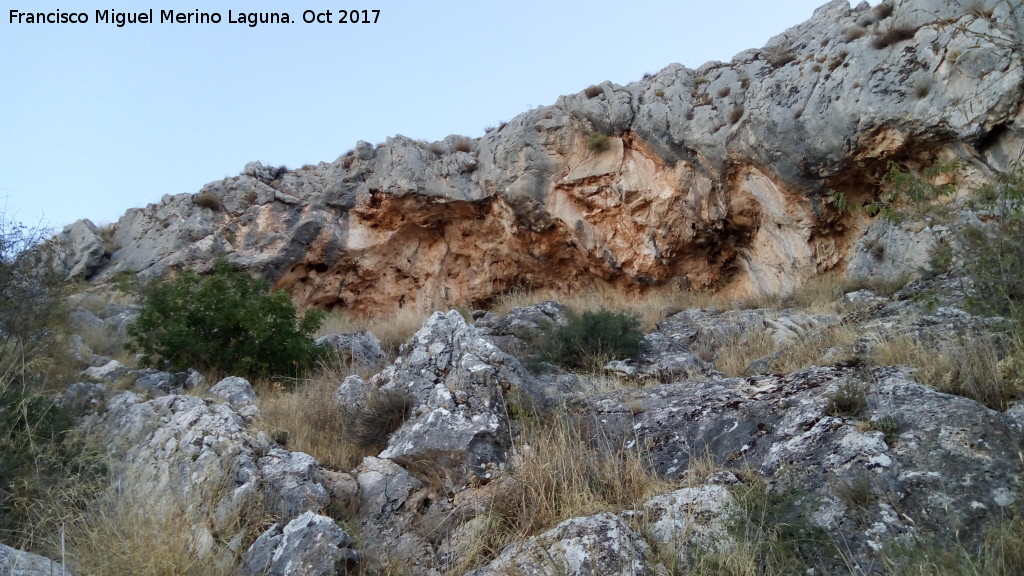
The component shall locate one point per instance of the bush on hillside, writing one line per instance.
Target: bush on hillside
(226, 321)
(591, 339)
(996, 254)
(33, 358)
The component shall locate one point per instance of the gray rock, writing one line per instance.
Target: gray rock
(176, 450)
(82, 397)
(309, 545)
(393, 505)
(459, 426)
(14, 562)
(941, 447)
(292, 482)
(109, 372)
(362, 349)
(888, 252)
(600, 544)
(234, 390)
(689, 519)
(81, 249)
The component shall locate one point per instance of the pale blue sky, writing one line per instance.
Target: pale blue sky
(98, 119)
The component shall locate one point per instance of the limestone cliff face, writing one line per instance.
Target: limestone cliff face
(709, 178)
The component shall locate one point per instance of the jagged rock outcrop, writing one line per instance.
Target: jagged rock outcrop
(458, 432)
(925, 479)
(185, 456)
(361, 349)
(703, 177)
(85, 251)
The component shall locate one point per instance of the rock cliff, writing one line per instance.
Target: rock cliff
(714, 177)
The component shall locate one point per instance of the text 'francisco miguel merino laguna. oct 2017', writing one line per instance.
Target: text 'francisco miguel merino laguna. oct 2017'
(151, 16)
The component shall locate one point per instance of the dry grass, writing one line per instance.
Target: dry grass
(974, 366)
(113, 527)
(392, 330)
(561, 472)
(307, 418)
(650, 307)
(825, 346)
(734, 356)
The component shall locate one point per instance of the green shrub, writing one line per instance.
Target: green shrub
(591, 339)
(996, 262)
(598, 142)
(226, 321)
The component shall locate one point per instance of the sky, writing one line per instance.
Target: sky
(97, 119)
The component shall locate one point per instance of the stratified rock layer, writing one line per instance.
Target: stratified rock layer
(708, 177)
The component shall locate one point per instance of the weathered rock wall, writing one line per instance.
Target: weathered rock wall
(706, 177)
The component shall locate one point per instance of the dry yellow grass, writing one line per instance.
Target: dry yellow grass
(561, 472)
(977, 366)
(650, 307)
(106, 527)
(307, 418)
(392, 330)
(828, 345)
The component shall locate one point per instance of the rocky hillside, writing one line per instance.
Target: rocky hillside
(849, 400)
(708, 178)
(819, 458)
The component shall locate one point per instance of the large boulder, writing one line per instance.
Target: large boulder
(81, 249)
(309, 545)
(361, 349)
(458, 432)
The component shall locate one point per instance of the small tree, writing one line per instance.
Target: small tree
(225, 321)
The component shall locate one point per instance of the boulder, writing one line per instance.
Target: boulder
(110, 372)
(181, 455)
(309, 545)
(234, 390)
(362, 349)
(599, 544)
(82, 250)
(458, 432)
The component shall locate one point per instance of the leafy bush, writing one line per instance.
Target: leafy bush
(996, 262)
(590, 339)
(598, 142)
(226, 322)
